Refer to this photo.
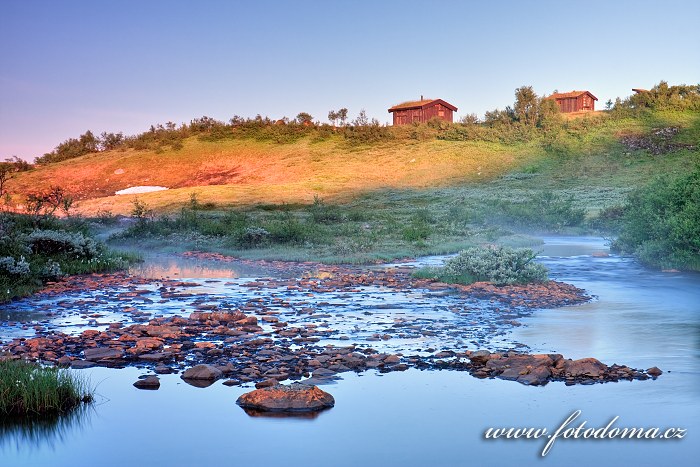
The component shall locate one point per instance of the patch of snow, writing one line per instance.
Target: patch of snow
(134, 190)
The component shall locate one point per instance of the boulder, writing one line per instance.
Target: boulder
(587, 367)
(81, 364)
(480, 357)
(103, 353)
(202, 372)
(292, 398)
(392, 359)
(149, 382)
(654, 371)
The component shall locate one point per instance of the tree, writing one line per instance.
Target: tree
(108, 141)
(71, 148)
(342, 115)
(332, 116)
(361, 119)
(47, 202)
(526, 104)
(499, 117)
(548, 113)
(304, 118)
(7, 172)
(608, 104)
(469, 119)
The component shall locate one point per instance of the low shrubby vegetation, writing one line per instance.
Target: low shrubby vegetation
(531, 118)
(376, 227)
(660, 223)
(29, 389)
(36, 249)
(496, 264)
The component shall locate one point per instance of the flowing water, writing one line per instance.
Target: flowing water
(638, 317)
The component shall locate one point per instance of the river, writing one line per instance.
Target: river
(638, 317)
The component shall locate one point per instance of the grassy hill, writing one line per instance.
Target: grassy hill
(591, 156)
(249, 171)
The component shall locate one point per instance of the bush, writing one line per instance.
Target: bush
(37, 249)
(323, 213)
(498, 265)
(661, 223)
(288, 231)
(252, 237)
(51, 242)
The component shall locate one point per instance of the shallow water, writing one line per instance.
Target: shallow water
(639, 318)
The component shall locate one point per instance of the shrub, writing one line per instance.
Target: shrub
(51, 242)
(288, 230)
(498, 265)
(254, 236)
(323, 213)
(14, 267)
(661, 223)
(51, 270)
(36, 249)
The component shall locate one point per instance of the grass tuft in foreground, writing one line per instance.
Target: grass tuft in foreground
(29, 389)
(498, 265)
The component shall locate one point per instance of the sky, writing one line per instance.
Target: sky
(70, 66)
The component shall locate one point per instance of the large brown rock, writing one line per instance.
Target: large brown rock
(151, 382)
(293, 398)
(103, 353)
(526, 369)
(587, 367)
(202, 372)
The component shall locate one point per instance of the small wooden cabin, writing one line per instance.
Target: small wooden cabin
(421, 111)
(574, 101)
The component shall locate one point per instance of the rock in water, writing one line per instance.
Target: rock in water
(205, 372)
(293, 398)
(149, 382)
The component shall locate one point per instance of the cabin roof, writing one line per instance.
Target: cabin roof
(421, 104)
(571, 95)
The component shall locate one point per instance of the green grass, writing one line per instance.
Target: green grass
(29, 389)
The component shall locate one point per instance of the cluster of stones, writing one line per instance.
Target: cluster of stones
(322, 278)
(216, 342)
(231, 341)
(539, 369)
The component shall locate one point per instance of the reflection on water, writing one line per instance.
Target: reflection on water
(285, 415)
(174, 267)
(47, 431)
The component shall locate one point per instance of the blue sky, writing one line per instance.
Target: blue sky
(69, 66)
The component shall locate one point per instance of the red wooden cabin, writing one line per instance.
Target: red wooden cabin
(421, 111)
(574, 101)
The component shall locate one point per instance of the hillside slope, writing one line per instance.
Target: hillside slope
(248, 171)
(597, 152)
